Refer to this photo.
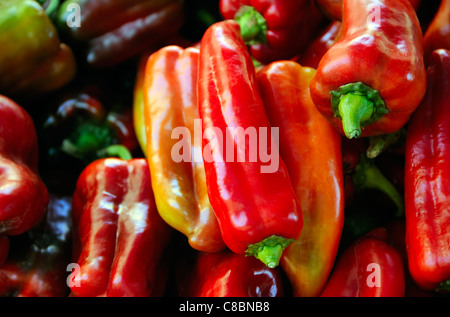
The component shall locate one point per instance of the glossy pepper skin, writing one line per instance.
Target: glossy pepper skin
(315, 172)
(171, 103)
(427, 181)
(131, 27)
(351, 88)
(437, 35)
(333, 8)
(119, 238)
(274, 30)
(138, 101)
(23, 194)
(138, 88)
(369, 267)
(84, 125)
(37, 266)
(32, 54)
(229, 275)
(253, 198)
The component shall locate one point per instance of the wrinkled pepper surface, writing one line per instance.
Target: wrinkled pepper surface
(32, 54)
(23, 195)
(427, 181)
(437, 34)
(174, 158)
(315, 172)
(229, 275)
(369, 267)
(83, 126)
(37, 267)
(274, 30)
(351, 88)
(119, 239)
(113, 31)
(252, 195)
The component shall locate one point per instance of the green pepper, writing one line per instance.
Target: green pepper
(32, 55)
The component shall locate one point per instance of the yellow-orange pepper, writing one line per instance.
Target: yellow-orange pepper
(170, 101)
(311, 149)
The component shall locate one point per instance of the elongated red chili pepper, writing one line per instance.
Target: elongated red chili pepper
(252, 196)
(370, 267)
(119, 237)
(373, 77)
(396, 229)
(229, 275)
(427, 180)
(274, 30)
(316, 172)
(438, 33)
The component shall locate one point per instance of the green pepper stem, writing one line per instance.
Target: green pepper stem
(367, 175)
(443, 287)
(50, 6)
(116, 150)
(358, 105)
(269, 250)
(354, 109)
(253, 25)
(87, 140)
(380, 143)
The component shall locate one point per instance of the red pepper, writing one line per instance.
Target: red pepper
(37, 266)
(330, 8)
(227, 274)
(252, 196)
(427, 180)
(317, 48)
(333, 8)
(437, 34)
(274, 30)
(369, 267)
(314, 171)
(396, 229)
(23, 194)
(373, 77)
(119, 237)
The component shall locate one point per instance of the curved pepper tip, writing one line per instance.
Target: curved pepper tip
(269, 250)
(354, 110)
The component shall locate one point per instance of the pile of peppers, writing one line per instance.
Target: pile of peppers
(226, 148)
